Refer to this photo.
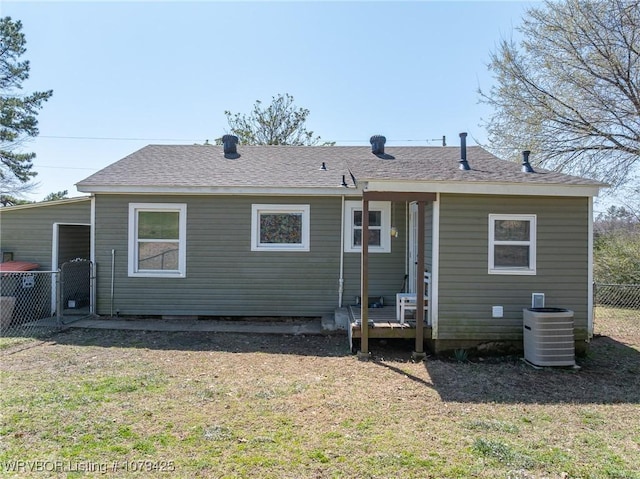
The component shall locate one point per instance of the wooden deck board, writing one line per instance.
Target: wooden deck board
(383, 324)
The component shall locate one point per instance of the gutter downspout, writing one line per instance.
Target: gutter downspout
(113, 277)
(406, 234)
(590, 274)
(341, 280)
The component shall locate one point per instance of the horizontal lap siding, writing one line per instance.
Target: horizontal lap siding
(28, 232)
(428, 236)
(386, 270)
(74, 242)
(466, 290)
(224, 277)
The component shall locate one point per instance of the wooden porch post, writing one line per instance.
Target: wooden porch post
(364, 282)
(418, 354)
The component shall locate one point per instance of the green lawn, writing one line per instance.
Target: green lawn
(225, 405)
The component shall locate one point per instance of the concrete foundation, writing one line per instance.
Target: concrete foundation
(341, 319)
(447, 347)
(417, 357)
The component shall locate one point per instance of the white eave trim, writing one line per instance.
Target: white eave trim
(41, 204)
(482, 188)
(210, 190)
(457, 187)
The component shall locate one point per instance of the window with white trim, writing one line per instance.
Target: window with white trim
(379, 226)
(512, 244)
(157, 240)
(280, 227)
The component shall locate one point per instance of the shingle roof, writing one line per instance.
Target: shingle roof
(189, 166)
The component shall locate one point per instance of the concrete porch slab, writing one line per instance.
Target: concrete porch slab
(250, 327)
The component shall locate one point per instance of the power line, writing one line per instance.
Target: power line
(37, 165)
(191, 140)
(59, 137)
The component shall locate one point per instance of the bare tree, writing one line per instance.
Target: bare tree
(13, 191)
(570, 89)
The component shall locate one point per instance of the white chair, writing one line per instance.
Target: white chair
(407, 301)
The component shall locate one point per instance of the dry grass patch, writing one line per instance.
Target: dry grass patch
(228, 405)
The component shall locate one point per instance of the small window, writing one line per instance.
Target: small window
(280, 228)
(379, 226)
(512, 244)
(157, 240)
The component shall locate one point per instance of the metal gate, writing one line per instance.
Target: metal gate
(76, 286)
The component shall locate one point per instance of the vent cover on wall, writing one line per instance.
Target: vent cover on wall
(537, 300)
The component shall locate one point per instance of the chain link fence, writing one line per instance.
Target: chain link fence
(617, 301)
(28, 304)
(38, 303)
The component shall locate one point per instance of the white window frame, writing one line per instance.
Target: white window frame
(181, 209)
(385, 228)
(531, 243)
(258, 209)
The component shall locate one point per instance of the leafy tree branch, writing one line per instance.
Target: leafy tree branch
(279, 123)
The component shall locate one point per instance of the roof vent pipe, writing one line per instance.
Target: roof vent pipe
(344, 182)
(229, 143)
(377, 144)
(526, 166)
(464, 164)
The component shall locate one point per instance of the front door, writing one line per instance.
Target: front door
(413, 247)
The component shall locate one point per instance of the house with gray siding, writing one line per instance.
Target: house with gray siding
(303, 231)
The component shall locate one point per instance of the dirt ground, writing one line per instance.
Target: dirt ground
(240, 405)
(612, 363)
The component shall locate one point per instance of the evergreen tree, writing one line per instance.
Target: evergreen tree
(18, 111)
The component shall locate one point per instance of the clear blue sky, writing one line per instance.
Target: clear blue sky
(129, 74)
